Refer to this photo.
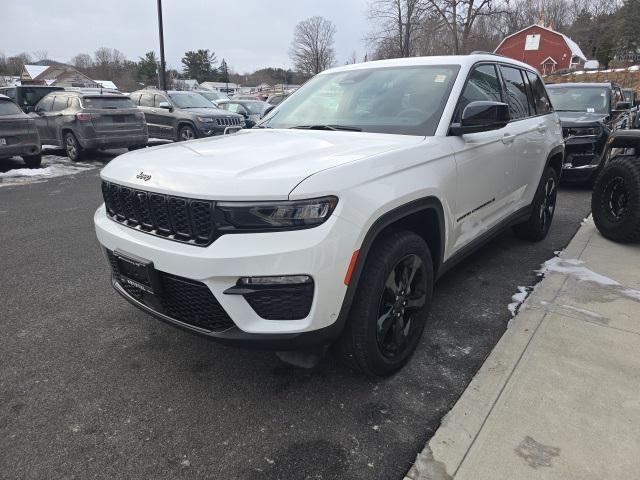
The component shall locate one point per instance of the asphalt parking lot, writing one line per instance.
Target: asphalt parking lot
(90, 387)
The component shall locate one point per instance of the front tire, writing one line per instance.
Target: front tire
(33, 161)
(73, 148)
(391, 305)
(185, 133)
(615, 201)
(538, 224)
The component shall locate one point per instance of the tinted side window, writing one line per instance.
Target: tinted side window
(540, 97)
(530, 97)
(483, 84)
(45, 104)
(146, 100)
(516, 92)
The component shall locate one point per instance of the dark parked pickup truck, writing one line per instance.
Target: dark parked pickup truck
(18, 134)
(589, 113)
(80, 121)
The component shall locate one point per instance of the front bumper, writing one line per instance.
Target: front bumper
(323, 253)
(583, 156)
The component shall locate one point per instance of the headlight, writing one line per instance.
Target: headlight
(287, 215)
(582, 132)
(205, 119)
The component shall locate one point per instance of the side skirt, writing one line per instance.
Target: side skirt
(513, 219)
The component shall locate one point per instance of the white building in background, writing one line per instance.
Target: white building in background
(224, 87)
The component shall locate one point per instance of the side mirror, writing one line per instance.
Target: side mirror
(481, 116)
(623, 106)
(165, 105)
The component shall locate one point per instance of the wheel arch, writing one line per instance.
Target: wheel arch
(186, 123)
(424, 216)
(555, 159)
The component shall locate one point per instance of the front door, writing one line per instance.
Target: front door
(485, 163)
(164, 117)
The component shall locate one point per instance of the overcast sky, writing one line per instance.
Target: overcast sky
(249, 34)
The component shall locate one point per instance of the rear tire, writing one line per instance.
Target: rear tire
(391, 305)
(33, 161)
(72, 147)
(615, 201)
(537, 226)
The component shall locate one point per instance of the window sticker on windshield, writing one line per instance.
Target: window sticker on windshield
(591, 110)
(439, 78)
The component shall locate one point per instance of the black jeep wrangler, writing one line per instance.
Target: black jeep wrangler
(589, 113)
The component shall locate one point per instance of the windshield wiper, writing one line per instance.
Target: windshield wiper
(328, 127)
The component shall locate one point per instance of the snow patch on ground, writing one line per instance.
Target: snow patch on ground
(517, 299)
(576, 269)
(52, 166)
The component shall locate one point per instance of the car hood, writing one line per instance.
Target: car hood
(581, 118)
(210, 112)
(248, 165)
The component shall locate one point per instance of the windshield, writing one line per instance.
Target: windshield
(579, 99)
(213, 95)
(107, 102)
(32, 95)
(399, 100)
(256, 108)
(190, 100)
(8, 108)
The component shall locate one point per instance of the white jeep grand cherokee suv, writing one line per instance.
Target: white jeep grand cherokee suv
(333, 219)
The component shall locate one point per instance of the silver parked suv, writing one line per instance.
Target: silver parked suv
(80, 121)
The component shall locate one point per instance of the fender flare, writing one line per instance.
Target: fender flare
(430, 203)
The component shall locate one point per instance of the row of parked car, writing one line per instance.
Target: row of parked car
(81, 120)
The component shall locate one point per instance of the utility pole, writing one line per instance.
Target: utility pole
(163, 75)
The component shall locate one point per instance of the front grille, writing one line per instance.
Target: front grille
(227, 122)
(284, 302)
(177, 218)
(180, 298)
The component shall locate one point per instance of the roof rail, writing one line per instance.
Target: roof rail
(482, 52)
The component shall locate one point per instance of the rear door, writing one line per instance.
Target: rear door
(40, 115)
(146, 105)
(528, 134)
(485, 163)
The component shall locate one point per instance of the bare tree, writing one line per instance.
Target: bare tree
(312, 47)
(395, 24)
(41, 55)
(459, 17)
(82, 60)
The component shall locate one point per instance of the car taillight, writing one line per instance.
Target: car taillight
(83, 117)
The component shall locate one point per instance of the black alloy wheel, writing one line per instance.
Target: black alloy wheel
(404, 294)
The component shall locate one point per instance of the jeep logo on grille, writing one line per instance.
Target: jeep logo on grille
(143, 176)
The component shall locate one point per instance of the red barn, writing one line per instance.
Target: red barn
(542, 48)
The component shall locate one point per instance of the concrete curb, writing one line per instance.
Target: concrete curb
(447, 449)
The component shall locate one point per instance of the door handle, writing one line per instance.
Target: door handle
(542, 128)
(508, 138)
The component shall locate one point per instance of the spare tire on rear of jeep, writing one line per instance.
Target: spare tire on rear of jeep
(615, 201)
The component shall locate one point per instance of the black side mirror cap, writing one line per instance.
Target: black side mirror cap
(481, 116)
(623, 106)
